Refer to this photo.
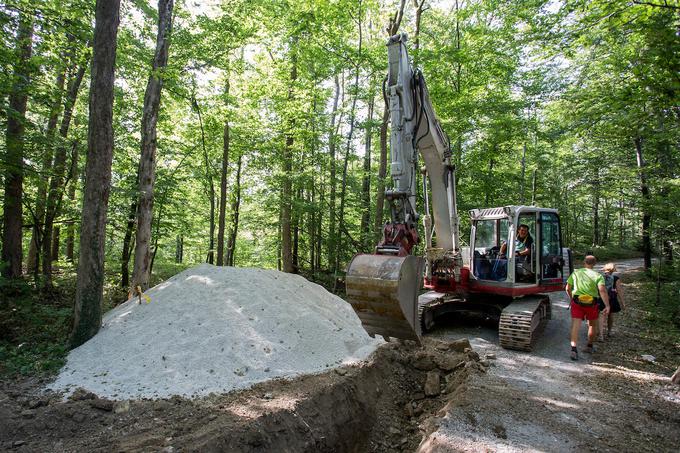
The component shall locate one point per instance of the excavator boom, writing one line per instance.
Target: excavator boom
(383, 287)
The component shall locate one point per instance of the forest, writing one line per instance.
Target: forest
(141, 138)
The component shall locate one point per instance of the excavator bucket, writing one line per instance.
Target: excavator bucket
(383, 291)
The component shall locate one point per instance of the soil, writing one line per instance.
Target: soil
(440, 397)
(381, 405)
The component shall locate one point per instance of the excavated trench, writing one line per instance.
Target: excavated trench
(386, 405)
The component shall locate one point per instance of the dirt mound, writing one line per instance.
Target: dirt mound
(216, 329)
(386, 404)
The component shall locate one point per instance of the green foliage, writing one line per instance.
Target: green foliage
(605, 254)
(556, 89)
(34, 327)
(658, 297)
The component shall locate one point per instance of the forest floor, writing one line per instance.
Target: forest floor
(485, 399)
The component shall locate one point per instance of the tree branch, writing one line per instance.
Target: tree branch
(657, 5)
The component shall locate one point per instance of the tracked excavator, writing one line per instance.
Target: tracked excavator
(397, 294)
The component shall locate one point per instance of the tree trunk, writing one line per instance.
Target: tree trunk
(596, 209)
(382, 173)
(57, 182)
(70, 229)
(668, 252)
(90, 282)
(223, 186)
(333, 169)
(319, 231)
(127, 243)
(236, 204)
(14, 146)
(278, 243)
(178, 249)
(297, 219)
(646, 216)
(621, 220)
(489, 181)
(523, 173)
(419, 5)
(287, 189)
(286, 202)
(348, 150)
(48, 154)
(157, 233)
(54, 255)
(366, 236)
(147, 161)
(311, 225)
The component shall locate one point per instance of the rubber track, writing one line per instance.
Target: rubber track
(522, 322)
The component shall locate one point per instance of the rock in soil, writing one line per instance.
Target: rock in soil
(460, 345)
(432, 383)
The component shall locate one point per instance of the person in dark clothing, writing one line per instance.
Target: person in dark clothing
(615, 292)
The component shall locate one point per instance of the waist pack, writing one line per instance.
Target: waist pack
(584, 299)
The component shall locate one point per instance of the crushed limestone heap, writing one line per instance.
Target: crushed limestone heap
(216, 329)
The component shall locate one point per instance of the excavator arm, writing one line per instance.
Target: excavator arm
(417, 131)
(383, 287)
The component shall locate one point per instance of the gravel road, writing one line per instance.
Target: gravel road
(543, 401)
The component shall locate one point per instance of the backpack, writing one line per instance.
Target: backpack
(609, 281)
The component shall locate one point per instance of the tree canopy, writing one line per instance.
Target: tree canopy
(268, 133)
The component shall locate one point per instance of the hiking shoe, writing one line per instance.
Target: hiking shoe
(590, 349)
(574, 355)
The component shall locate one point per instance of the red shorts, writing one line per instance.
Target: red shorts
(584, 312)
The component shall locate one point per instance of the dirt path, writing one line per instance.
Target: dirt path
(608, 401)
(443, 393)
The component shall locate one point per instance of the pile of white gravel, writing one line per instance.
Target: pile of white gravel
(216, 329)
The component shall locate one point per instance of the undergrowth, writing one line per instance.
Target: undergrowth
(607, 253)
(35, 323)
(657, 296)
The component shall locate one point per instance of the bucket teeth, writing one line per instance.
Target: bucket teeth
(383, 291)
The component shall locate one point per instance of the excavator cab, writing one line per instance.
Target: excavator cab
(516, 250)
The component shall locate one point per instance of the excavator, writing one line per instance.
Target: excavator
(501, 274)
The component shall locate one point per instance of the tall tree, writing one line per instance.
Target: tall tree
(70, 226)
(14, 162)
(223, 184)
(235, 206)
(287, 186)
(147, 162)
(48, 155)
(332, 145)
(56, 186)
(90, 281)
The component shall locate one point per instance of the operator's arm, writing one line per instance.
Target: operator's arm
(527, 246)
